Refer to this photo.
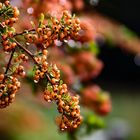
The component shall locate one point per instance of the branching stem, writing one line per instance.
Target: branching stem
(9, 62)
(32, 56)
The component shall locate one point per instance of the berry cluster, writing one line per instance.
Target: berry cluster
(9, 16)
(21, 57)
(96, 99)
(9, 84)
(8, 13)
(42, 65)
(44, 35)
(57, 91)
(57, 29)
(67, 105)
(8, 88)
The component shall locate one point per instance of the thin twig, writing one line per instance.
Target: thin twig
(25, 31)
(32, 56)
(27, 51)
(1, 25)
(9, 62)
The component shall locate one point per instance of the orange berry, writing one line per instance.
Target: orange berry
(65, 12)
(55, 21)
(62, 126)
(35, 37)
(0, 5)
(74, 126)
(10, 33)
(13, 45)
(5, 42)
(69, 21)
(77, 21)
(49, 33)
(16, 12)
(73, 114)
(45, 37)
(1, 77)
(12, 96)
(7, 22)
(6, 99)
(45, 64)
(62, 35)
(13, 20)
(4, 37)
(45, 52)
(7, 2)
(61, 104)
(47, 97)
(54, 95)
(39, 30)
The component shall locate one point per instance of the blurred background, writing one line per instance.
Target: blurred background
(109, 46)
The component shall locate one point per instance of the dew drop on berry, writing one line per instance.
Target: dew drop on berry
(6, 52)
(66, 41)
(49, 101)
(36, 81)
(62, 129)
(27, 43)
(66, 127)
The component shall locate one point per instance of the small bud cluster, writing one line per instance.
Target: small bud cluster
(8, 89)
(65, 28)
(8, 45)
(11, 17)
(41, 60)
(20, 71)
(21, 57)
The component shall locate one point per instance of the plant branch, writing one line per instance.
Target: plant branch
(1, 25)
(32, 56)
(8, 65)
(25, 31)
(27, 51)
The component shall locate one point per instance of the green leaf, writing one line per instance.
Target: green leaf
(128, 33)
(49, 87)
(99, 122)
(93, 47)
(33, 24)
(41, 19)
(61, 82)
(91, 119)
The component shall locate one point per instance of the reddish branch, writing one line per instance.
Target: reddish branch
(32, 56)
(9, 63)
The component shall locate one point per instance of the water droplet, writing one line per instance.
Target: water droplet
(66, 127)
(137, 59)
(49, 101)
(30, 10)
(58, 43)
(36, 81)
(6, 52)
(27, 43)
(94, 2)
(66, 41)
(71, 43)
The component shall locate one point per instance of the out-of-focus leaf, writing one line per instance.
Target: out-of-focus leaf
(93, 47)
(127, 32)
